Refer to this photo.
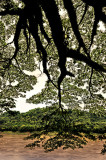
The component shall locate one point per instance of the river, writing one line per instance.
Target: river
(12, 147)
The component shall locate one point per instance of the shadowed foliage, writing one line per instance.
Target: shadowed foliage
(53, 129)
(61, 42)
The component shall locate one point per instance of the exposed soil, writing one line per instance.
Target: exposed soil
(12, 147)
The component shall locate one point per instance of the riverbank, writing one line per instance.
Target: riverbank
(12, 146)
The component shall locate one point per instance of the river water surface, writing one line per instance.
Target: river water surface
(12, 147)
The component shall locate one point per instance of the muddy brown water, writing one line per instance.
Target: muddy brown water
(12, 147)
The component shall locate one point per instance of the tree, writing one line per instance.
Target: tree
(65, 45)
(13, 81)
(71, 48)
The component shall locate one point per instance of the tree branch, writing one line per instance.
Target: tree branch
(80, 57)
(11, 12)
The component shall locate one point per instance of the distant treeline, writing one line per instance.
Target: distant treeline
(53, 120)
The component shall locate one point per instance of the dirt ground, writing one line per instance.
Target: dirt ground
(12, 147)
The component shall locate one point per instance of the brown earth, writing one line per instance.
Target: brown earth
(12, 147)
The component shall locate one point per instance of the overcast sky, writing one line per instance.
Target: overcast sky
(21, 104)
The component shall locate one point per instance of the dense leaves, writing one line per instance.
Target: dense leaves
(65, 36)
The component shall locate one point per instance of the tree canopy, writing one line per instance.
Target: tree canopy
(62, 34)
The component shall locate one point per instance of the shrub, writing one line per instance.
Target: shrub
(15, 128)
(27, 128)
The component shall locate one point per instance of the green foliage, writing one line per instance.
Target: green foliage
(27, 128)
(71, 47)
(26, 41)
(53, 120)
(63, 129)
(14, 128)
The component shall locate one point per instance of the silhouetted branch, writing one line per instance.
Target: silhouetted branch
(31, 17)
(17, 12)
(86, 8)
(90, 81)
(71, 11)
(80, 57)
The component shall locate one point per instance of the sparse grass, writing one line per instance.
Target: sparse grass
(14, 133)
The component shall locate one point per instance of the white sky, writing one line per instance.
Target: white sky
(21, 104)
